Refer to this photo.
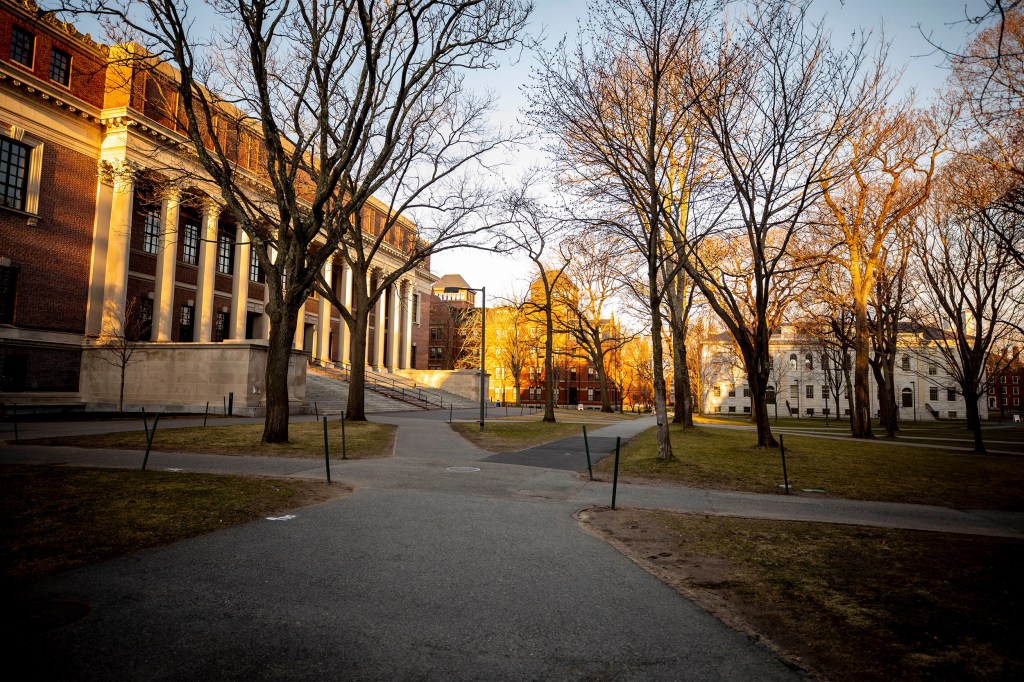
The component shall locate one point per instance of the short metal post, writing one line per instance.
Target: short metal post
(327, 452)
(145, 423)
(615, 476)
(785, 475)
(343, 446)
(149, 441)
(14, 407)
(586, 446)
(316, 409)
(231, 403)
(224, 405)
(206, 414)
(450, 408)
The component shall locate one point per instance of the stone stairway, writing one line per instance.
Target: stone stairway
(330, 394)
(434, 397)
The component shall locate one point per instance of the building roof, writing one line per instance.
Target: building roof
(451, 280)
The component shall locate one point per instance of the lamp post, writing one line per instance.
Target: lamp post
(483, 345)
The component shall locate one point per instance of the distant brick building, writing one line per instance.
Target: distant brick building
(88, 231)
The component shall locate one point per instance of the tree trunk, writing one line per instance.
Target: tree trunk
(602, 382)
(758, 382)
(860, 417)
(893, 420)
(974, 419)
(549, 365)
(681, 381)
(657, 354)
(355, 410)
(279, 349)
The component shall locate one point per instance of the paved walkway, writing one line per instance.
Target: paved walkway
(425, 572)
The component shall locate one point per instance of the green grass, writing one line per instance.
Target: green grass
(725, 459)
(856, 603)
(363, 440)
(566, 415)
(502, 436)
(58, 518)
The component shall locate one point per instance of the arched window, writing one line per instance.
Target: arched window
(769, 394)
(905, 363)
(792, 361)
(808, 362)
(908, 397)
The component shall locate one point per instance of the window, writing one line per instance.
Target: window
(572, 374)
(8, 289)
(1016, 390)
(1002, 379)
(905, 363)
(732, 391)
(590, 373)
(809, 390)
(732, 408)
(792, 361)
(746, 409)
(1016, 379)
(187, 321)
(808, 362)
(22, 46)
(794, 391)
(1016, 402)
(14, 166)
(810, 411)
(151, 232)
(60, 67)
(190, 244)
(932, 370)
(908, 397)
(769, 395)
(950, 394)
(1004, 388)
(225, 253)
(933, 393)
(220, 326)
(416, 308)
(718, 391)
(951, 414)
(590, 395)
(255, 269)
(746, 391)
(143, 330)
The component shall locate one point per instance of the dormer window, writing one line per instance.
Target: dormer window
(23, 46)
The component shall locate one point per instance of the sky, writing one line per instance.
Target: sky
(924, 71)
(903, 22)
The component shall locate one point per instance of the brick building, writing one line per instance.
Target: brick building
(87, 233)
(454, 326)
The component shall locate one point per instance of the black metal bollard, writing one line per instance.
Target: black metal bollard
(450, 408)
(327, 452)
(785, 475)
(343, 446)
(615, 476)
(316, 409)
(149, 440)
(231, 401)
(586, 446)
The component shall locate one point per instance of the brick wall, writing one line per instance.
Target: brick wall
(53, 257)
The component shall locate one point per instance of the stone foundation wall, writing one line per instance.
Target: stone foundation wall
(183, 377)
(461, 382)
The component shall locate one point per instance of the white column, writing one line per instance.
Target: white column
(98, 257)
(163, 291)
(118, 248)
(378, 333)
(395, 337)
(346, 335)
(323, 322)
(240, 286)
(407, 337)
(300, 329)
(203, 321)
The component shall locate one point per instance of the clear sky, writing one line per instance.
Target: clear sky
(925, 71)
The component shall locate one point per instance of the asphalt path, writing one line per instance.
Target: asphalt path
(447, 562)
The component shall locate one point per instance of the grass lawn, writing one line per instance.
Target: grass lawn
(502, 436)
(851, 603)
(363, 440)
(725, 459)
(564, 415)
(58, 518)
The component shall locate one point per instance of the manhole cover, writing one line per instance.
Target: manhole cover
(462, 470)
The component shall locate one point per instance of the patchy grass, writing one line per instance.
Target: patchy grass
(514, 436)
(851, 603)
(563, 415)
(59, 518)
(364, 440)
(725, 459)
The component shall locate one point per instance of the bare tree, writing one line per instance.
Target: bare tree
(778, 100)
(888, 165)
(332, 104)
(533, 231)
(127, 328)
(970, 284)
(586, 315)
